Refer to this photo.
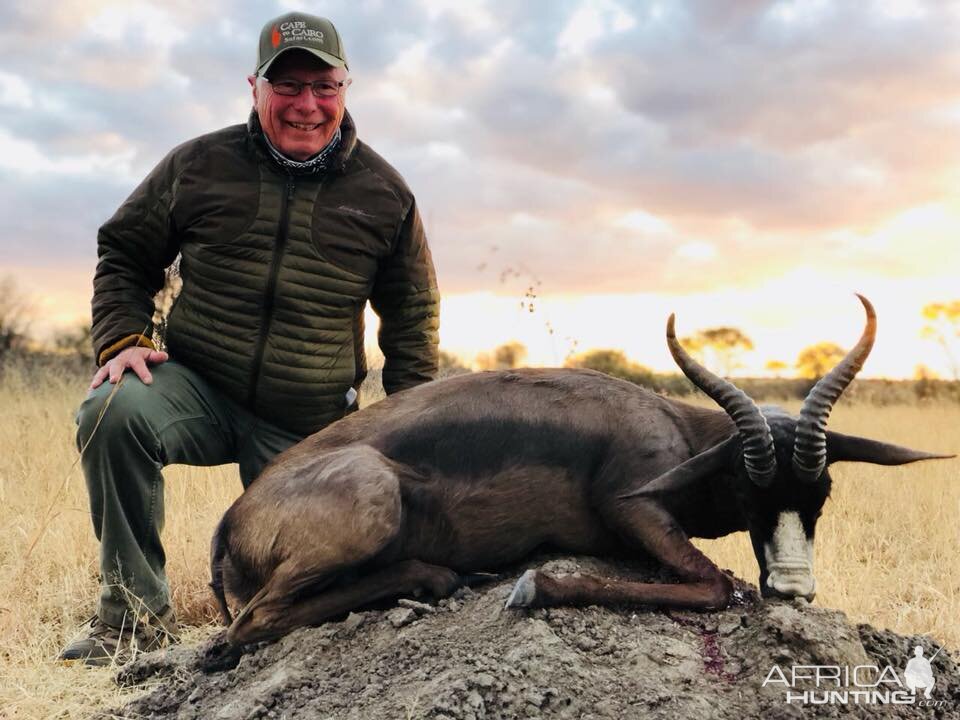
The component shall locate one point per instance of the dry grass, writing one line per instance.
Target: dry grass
(887, 544)
(48, 558)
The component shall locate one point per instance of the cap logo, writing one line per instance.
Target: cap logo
(298, 30)
(275, 37)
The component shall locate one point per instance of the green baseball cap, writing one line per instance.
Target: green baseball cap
(299, 31)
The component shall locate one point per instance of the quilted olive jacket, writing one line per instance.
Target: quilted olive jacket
(276, 269)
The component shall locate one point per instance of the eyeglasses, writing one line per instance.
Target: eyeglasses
(320, 88)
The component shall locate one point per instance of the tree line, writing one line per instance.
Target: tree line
(719, 348)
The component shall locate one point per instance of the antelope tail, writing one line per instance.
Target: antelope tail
(218, 550)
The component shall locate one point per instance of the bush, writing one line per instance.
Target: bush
(613, 363)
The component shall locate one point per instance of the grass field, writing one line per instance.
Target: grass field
(886, 548)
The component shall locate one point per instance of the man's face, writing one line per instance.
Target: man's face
(302, 125)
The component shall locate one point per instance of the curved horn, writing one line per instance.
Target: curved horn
(758, 450)
(810, 441)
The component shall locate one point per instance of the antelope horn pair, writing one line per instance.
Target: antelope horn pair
(810, 442)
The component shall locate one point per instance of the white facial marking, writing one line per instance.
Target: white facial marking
(789, 556)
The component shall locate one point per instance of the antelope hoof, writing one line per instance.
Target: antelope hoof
(524, 591)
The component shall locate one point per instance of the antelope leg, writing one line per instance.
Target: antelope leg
(280, 610)
(643, 523)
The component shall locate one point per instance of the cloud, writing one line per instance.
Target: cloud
(603, 145)
(50, 224)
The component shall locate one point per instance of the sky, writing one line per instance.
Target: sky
(737, 162)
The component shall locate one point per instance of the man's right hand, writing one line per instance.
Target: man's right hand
(133, 358)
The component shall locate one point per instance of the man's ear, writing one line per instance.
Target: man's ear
(252, 79)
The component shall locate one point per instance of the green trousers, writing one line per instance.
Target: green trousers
(179, 418)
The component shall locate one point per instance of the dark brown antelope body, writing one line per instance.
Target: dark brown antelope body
(488, 467)
(475, 472)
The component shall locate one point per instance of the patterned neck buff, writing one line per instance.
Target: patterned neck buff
(318, 163)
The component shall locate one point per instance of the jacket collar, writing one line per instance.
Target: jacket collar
(338, 162)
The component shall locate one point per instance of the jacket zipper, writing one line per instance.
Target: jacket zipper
(269, 296)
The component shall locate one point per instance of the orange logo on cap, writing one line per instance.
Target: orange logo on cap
(275, 37)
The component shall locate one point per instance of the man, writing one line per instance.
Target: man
(286, 227)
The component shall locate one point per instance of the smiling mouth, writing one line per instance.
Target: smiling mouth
(306, 127)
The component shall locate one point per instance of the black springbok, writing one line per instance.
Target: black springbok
(476, 472)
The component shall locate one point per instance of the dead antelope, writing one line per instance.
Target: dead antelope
(476, 472)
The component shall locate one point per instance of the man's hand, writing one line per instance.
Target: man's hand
(134, 358)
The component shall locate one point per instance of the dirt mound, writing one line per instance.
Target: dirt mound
(468, 658)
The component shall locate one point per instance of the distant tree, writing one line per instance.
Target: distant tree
(925, 385)
(922, 372)
(451, 363)
(15, 310)
(776, 366)
(817, 360)
(943, 326)
(726, 345)
(612, 362)
(504, 357)
(75, 341)
(510, 355)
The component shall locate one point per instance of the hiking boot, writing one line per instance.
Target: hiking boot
(103, 644)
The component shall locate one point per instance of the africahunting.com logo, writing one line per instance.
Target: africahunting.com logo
(859, 684)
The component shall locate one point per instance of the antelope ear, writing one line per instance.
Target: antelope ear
(858, 449)
(709, 462)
